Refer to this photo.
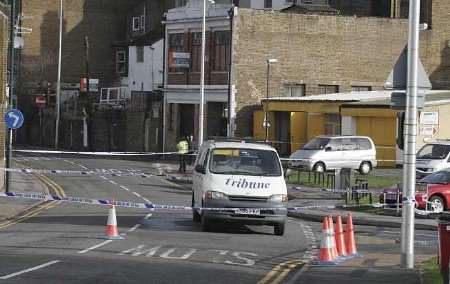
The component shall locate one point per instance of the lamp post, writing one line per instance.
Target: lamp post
(202, 76)
(58, 84)
(266, 118)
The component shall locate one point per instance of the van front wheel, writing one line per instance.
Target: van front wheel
(195, 215)
(319, 167)
(278, 229)
(365, 168)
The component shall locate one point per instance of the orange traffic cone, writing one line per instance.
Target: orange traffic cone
(333, 238)
(326, 255)
(111, 232)
(350, 242)
(340, 241)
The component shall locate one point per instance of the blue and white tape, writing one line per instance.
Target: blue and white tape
(111, 172)
(102, 153)
(152, 206)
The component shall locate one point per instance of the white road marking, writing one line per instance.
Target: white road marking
(29, 269)
(148, 216)
(137, 194)
(94, 247)
(134, 227)
(146, 200)
(123, 187)
(113, 182)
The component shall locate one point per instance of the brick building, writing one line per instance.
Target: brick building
(320, 54)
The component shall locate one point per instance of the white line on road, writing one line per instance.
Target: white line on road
(123, 187)
(137, 194)
(94, 247)
(134, 227)
(29, 269)
(113, 182)
(148, 216)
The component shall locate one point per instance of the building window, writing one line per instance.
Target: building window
(139, 54)
(176, 44)
(180, 3)
(121, 61)
(332, 124)
(196, 50)
(294, 90)
(328, 89)
(267, 3)
(361, 88)
(221, 51)
(136, 23)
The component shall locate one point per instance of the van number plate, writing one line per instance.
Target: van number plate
(247, 211)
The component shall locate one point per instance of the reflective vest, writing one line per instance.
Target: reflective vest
(183, 147)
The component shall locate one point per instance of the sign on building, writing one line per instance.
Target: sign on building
(429, 117)
(93, 85)
(428, 131)
(179, 59)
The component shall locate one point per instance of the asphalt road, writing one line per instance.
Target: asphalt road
(64, 244)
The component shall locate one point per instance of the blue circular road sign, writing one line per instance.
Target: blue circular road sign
(14, 118)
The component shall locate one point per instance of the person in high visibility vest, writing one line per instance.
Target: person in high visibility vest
(183, 149)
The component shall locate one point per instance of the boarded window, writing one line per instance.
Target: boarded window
(221, 51)
(328, 89)
(139, 54)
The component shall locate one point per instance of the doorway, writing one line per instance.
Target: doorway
(187, 112)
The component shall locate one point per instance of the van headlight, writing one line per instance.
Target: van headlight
(215, 195)
(279, 198)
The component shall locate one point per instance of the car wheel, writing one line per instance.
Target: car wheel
(195, 215)
(319, 167)
(365, 168)
(206, 225)
(436, 204)
(278, 229)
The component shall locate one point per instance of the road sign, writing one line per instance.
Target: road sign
(429, 117)
(428, 131)
(14, 118)
(40, 101)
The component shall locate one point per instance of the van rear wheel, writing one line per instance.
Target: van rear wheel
(278, 229)
(365, 168)
(195, 215)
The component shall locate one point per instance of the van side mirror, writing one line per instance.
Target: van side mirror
(200, 169)
(289, 172)
(328, 149)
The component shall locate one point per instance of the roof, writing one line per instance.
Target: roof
(243, 144)
(310, 9)
(362, 98)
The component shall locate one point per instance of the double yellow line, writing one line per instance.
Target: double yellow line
(39, 208)
(280, 271)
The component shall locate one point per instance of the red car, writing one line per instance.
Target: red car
(437, 187)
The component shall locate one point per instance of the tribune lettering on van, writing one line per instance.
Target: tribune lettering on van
(243, 183)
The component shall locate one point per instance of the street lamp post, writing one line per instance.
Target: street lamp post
(202, 76)
(58, 84)
(266, 118)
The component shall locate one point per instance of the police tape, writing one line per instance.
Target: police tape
(103, 153)
(110, 172)
(152, 206)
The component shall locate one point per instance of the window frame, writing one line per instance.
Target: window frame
(136, 24)
(120, 62)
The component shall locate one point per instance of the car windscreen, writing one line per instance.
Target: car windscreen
(235, 161)
(442, 177)
(433, 152)
(316, 144)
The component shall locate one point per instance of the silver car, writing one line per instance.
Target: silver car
(336, 152)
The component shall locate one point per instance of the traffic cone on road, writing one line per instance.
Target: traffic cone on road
(350, 242)
(111, 232)
(326, 255)
(340, 240)
(333, 237)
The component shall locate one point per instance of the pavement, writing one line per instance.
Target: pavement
(9, 208)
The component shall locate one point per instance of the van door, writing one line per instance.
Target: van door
(350, 156)
(198, 177)
(332, 156)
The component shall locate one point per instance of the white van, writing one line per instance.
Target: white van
(245, 177)
(336, 152)
(433, 157)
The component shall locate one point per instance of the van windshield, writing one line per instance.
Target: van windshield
(244, 162)
(316, 144)
(434, 152)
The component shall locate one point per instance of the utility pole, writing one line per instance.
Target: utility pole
(409, 167)
(58, 84)
(9, 132)
(202, 79)
(86, 108)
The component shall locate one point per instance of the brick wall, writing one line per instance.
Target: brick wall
(312, 50)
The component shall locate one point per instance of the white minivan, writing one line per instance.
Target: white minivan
(336, 152)
(433, 157)
(239, 182)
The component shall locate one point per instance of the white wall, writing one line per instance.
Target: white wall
(146, 76)
(348, 125)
